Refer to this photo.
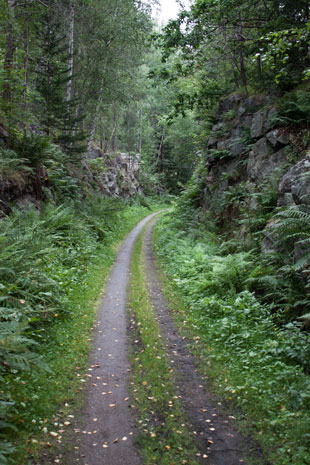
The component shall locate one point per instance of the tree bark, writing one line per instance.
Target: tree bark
(26, 57)
(140, 132)
(240, 40)
(259, 67)
(113, 134)
(99, 102)
(160, 156)
(71, 51)
(9, 53)
(95, 119)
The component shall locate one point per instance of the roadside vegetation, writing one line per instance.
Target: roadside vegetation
(257, 364)
(163, 436)
(53, 267)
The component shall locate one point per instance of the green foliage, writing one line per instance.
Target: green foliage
(286, 54)
(11, 163)
(291, 234)
(293, 108)
(255, 364)
(32, 147)
(47, 258)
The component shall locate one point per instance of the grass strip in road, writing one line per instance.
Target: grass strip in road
(164, 437)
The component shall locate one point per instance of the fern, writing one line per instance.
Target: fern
(11, 163)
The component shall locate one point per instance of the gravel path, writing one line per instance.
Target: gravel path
(104, 430)
(109, 427)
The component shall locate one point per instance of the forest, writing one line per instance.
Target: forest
(107, 116)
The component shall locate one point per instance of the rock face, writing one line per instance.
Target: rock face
(246, 153)
(115, 175)
(102, 174)
(294, 187)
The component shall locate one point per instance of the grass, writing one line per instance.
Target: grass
(45, 395)
(255, 366)
(164, 438)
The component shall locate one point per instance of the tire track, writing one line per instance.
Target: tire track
(216, 437)
(107, 434)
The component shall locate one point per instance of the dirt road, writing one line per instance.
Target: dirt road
(108, 424)
(105, 431)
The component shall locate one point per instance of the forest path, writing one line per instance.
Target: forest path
(217, 439)
(107, 432)
(105, 429)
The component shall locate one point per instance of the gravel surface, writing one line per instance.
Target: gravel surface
(107, 409)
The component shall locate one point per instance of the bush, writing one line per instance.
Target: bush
(262, 368)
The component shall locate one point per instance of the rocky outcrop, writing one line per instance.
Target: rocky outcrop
(246, 152)
(113, 174)
(102, 174)
(294, 188)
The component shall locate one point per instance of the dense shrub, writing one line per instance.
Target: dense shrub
(264, 368)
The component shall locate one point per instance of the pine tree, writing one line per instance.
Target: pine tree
(58, 118)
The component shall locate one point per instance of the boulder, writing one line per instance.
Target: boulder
(235, 144)
(228, 103)
(269, 121)
(246, 121)
(257, 126)
(263, 160)
(278, 137)
(120, 171)
(295, 184)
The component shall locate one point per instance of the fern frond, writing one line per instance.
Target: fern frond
(302, 262)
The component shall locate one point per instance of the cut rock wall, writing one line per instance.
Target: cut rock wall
(246, 148)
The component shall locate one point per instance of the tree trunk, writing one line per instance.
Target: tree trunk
(160, 157)
(9, 53)
(71, 51)
(95, 119)
(26, 56)
(259, 67)
(113, 134)
(240, 40)
(140, 132)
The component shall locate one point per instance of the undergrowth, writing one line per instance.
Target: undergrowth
(53, 266)
(257, 365)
